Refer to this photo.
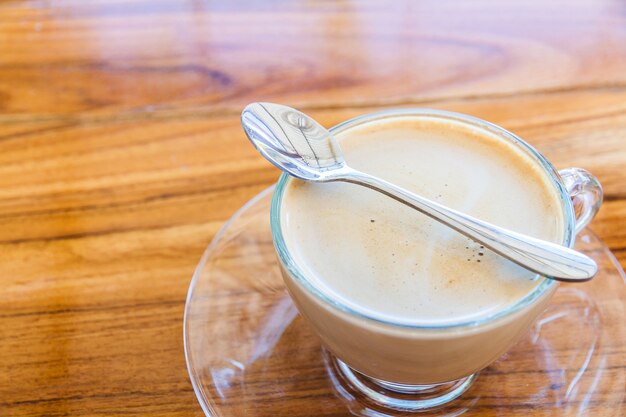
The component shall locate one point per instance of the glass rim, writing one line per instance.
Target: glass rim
(298, 274)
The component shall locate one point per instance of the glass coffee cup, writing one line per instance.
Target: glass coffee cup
(415, 367)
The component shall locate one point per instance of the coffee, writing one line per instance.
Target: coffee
(387, 260)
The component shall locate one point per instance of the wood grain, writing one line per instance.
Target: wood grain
(121, 153)
(140, 55)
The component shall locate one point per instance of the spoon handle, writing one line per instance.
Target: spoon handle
(545, 258)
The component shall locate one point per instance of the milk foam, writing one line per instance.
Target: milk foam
(384, 258)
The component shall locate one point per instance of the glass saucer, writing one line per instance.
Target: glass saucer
(250, 354)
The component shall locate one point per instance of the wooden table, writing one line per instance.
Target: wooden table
(121, 152)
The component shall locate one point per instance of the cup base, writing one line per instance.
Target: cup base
(390, 395)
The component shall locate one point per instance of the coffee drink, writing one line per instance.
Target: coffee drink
(384, 257)
(408, 286)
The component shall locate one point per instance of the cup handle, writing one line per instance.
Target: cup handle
(586, 193)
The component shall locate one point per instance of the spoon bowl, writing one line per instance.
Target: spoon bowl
(293, 141)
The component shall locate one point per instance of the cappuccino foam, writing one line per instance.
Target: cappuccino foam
(385, 259)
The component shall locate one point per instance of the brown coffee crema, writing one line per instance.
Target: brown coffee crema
(385, 259)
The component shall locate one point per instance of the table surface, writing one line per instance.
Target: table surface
(121, 153)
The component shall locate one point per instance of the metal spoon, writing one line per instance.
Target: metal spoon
(303, 148)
